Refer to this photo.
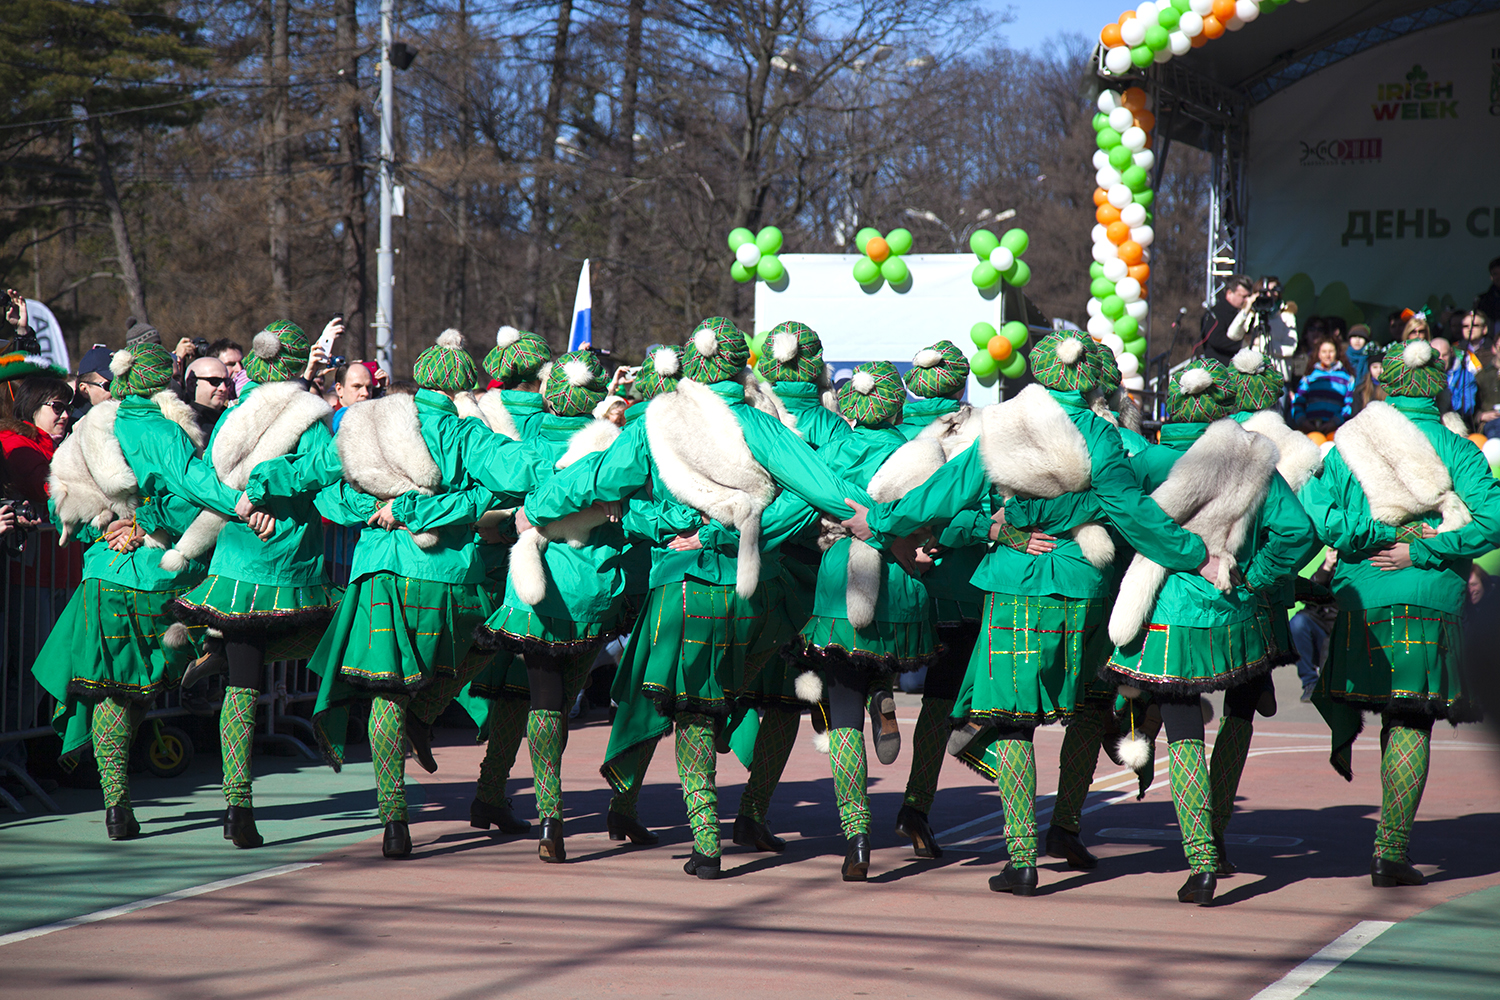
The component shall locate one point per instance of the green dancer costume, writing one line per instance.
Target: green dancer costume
(1042, 633)
(688, 653)
(1407, 504)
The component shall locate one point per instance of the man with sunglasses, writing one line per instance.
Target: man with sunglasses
(207, 388)
(93, 380)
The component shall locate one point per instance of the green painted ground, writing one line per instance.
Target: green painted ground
(54, 866)
(1450, 952)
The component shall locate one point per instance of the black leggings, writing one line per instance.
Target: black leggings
(846, 703)
(946, 673)
(1007, 732)
(247, 661)
(1182, 718)
(1240, 700)
(1393, 718)
(544, 675)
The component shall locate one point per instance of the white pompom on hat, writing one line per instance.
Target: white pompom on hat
(1069, 350)
(784, 347)
(706, 341)
(927, 358)
(451, 339)
(1195, 381)
(266, 345)
(1248, 360)
(120, 362)
(507, 336)
(577, 372)
(666, 362)
(1416, 353)
(862, 383)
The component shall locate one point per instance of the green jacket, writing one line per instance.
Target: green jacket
(140, 569)
(816, 423)
(526, 408)
(1438, 577)
(163, 459)
(965, 538)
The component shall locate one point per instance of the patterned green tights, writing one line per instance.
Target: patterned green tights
(236, 734)
(929, 742)
(696, 766)
(1076, 763)
(1403, 777)
(1188, 769)
(114, 724)
(388, 751)
(846, 754)
(544, 736)
(1017, 782)
(507, 728)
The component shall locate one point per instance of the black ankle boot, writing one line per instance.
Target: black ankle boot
(1225, 867)
(397, 843)
(239, 821)
(211, 664)
(419, 735)
(857, 861)
(1199, 888)
(482, 816)
(756, 835)
(549, 846)
(912, 824)
(885, 733)
(120, 824)
(629, 828)
(1067, 845)
(702, 866)
(1384, 874)
(1016, 881)
(227, 834)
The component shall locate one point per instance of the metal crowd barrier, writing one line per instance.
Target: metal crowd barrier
(37, 582)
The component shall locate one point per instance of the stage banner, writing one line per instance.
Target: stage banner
(1380, 171)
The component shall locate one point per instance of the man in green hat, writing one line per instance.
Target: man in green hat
(513, 403)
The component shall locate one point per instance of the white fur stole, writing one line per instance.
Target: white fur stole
(1398, 468)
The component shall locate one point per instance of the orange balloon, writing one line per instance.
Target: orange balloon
(1110, 36)
(998, 347)
(1223, 10)
(1126, 16)
(1328, 436)
(1199, 40)
(877, 249)
(1106, 214)
(1135, 99)
(1315, 437)
(1478, 439)
(1212, 27)
(1146, 120)
(1118, 232)
(1130, 252)
(1101, 197)
(1140, 272)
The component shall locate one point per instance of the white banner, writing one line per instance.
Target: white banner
(1380, 171)
(48, 334)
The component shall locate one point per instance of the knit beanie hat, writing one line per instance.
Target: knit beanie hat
(1412, 368)
(874, 396)
(1258, 385)
(575, 384)
(659, 372)
(940, 370)
(517, 356)
(716, 352)
(142, 370)
(446, 366)
(278, 353)
(1106, 368)
(137, 332)
(1201, 393)
(1060, 361)
(793, 354)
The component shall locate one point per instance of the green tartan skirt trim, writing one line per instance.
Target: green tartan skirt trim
(522, 630)
(881, 646)
(231, 605)
(1033, 658)
(1397, 654)
(1185, 659)
(504, 676)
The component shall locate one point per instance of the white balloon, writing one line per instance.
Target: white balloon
(1202, 8)
(1128, 289)
(1129, 364)
(748, 254)
(1179, 43)
(1134, 138)
(1116, 269)
(1108, 101)
(1145, 159)
(1117, 59)
(1246, 10)
(1133, 215)
(1001, 259)
(1491, 451)
(1147, 12)
(1101, 159)
(1138, 309)
(1144, 235)
(1104, 252)
(1145, 256)
(1234, 23)
(1100, 325)
(1134, 382)
(1191, 24)
(1121, 119)
(1106, 177)
(1098, 234)
(1096, 308)
(1113, 341)
(1133, 32)
(1163, 55)
(1325, 448)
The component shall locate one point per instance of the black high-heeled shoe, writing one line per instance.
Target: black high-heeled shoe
(913, 825)
(397, 842)
(1068, 845)
(621, 827)
(1225, 867)
(482, 816)
(885, 733)
(212, 663)
(1016, 881)
(419, 735)
(1199, 888)
(857, 862)
(120, 824)
(1386, 874)
(549, 846)
(702, 866)
(756, 835)
(239, 822)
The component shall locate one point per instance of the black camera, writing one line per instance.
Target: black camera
(1268, 302)
(338, 361)
(200, 347)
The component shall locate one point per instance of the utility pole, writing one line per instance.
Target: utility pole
(385, 255)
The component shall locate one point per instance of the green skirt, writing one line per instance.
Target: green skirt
(519, 630)
(504, 676)
(1033, 658)
(232, 606)
(880, 647)
(771, 676)
(109, 642)
(1183, 659)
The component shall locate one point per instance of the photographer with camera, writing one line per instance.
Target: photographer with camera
(1245, 317)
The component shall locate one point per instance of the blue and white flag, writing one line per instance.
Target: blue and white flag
(582, 334)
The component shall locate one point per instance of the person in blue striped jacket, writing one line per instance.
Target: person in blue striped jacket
(1325, 395)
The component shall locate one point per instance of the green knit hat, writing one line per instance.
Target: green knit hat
(659, 372)
(716, 352)
(18, 364)
(1412, 369)
(874, 396)
(1106, 368)
(793, 354)
(1061, 361)
(142, 370)
(1258, 385)
(278, 353)
(445, 366)
(1201, 393)
(518, 356)
(575, 384)
(940, 370)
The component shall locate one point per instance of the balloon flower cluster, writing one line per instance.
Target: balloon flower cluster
(1155, 32)
(1000, 258)
(755, 254)
(882, 256)
(999, 350)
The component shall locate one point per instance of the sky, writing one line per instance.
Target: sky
(1038, 20)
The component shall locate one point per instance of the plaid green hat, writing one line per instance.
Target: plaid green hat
(1412, 369)
(940, 370)
(716, 352)
(874, 396)
(17, 364)
(446, 366)
(1258, 385)
(142, 370)
(1201, 393)
(278, 353)
(517, 356)
(1106, 368)
(659, 372)
(575, 384)
(793, 354)
(1061, 361)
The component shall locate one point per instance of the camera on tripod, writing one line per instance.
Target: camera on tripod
(1268, 299)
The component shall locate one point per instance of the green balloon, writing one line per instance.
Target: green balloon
(1100, 120)
(1157, 38)
(1121, 157)
(984, 275)
(864, 236)
(1142, 56)
(1182, 6)
(894, 270)
(982, 365)
(1126, 326)
(1019, 275)
(899, 240)
(770, 268)
(1016, 241)
(1112, 306)
(1144, 198)
(983, 243)
(769, 240)
(757, 342)
(1101, 287)
(1096, 270)
(1014, 367)
(1168, 17)
(1135, 178)
(739, 237)
(739, 272)
(981, 334)
(1015, 332)
(1137, 347)
(866, 271)
(1108, 138)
